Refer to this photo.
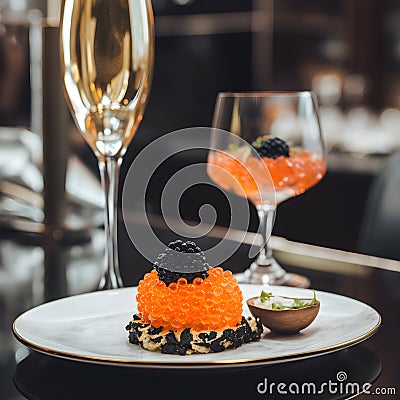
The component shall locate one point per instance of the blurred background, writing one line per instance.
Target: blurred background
(347, 51)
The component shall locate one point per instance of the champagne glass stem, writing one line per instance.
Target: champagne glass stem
(265, 269)
(109, 172)
(266, 216)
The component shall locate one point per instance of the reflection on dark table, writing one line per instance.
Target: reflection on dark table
(40, 377)
(79, 269)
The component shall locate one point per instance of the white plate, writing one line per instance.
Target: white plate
(91, 328)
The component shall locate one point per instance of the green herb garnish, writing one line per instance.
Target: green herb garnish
(314, 300)
(297, 303)
(278, 306)
(265, 296)
(295, 151)
(258, 142)
(233, 147)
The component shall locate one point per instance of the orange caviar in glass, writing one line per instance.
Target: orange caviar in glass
(211, 304)
(299, 172)
(232, 174)
(291, 176)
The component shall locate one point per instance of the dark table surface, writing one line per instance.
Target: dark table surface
(30, 275)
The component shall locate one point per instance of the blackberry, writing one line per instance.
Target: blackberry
(272, 148)
(181, 260)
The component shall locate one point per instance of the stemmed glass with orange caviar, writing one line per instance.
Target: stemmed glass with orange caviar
(277, 130)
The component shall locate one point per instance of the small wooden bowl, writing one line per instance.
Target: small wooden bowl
(284, 321)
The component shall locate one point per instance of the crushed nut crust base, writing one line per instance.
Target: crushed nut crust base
(189, 341)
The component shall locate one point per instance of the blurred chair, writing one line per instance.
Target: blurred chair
(380, 232)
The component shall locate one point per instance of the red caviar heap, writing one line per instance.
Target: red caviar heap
(212, 303)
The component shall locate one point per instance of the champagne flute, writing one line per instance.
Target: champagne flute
(284, 129)
(107, 61)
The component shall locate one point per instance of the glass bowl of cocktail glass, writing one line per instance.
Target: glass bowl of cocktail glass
(279, 131)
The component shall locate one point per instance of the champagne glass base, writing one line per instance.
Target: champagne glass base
(272, 274)
(110, 282)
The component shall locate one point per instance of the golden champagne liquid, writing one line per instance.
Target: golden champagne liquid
(107, 59)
